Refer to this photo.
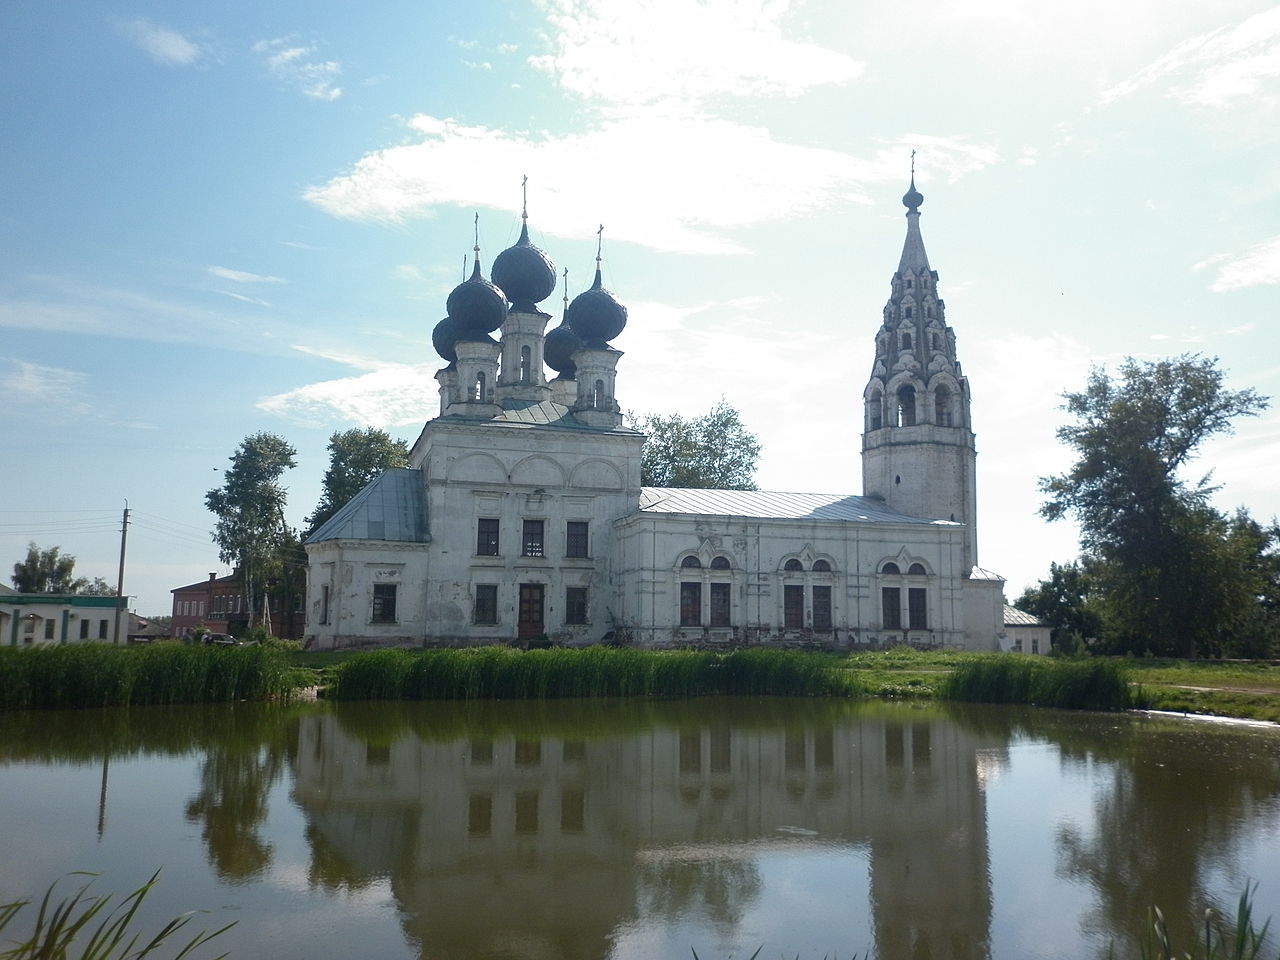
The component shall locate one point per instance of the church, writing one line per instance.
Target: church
(522, 517)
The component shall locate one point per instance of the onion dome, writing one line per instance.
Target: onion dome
(558, 348)
(913, 197)
(443, 338)
(476, 306)
(596, 315)
(525, 274)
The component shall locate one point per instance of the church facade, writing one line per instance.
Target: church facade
(523, 517)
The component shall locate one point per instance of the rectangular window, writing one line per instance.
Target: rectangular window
(575, 539)
(479, 814)
(1035, 645)
(690, 604)
(891, 605)
(917, 617)
(486, 537)
(102, 629)
(575, 604)
(793, 606)
(384, 603)
(531, 543)
(822, 608)
(1017, 646)
(720, 604)
(48, 629)
(486, 609)
(84, 629)
(324, 603)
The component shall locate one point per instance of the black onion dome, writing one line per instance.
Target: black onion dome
(525, 274)
(444, 337)
(596, 315)
(476, 306)
(913, 197)
(558, 348)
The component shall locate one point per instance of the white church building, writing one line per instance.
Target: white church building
(523, 516)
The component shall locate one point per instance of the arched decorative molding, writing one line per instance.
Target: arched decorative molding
(477, 468)
(538, 470)
(598, 473)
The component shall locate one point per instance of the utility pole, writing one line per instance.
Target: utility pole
(121, 602)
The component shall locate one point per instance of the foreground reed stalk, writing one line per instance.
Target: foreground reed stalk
(64, 929)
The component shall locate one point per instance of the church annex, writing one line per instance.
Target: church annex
(523, 515)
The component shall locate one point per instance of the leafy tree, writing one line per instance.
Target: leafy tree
(52, 571)
(713, 451)
(250, 510)
(1068, 602)
(355, 457)
(1167, 580)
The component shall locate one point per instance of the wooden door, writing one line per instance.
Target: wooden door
(531, 607)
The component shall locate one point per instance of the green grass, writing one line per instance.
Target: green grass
(1094, 684)
(97, 675)
(80, 925)
(503, 673)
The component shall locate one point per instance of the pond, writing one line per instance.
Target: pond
(646, 829)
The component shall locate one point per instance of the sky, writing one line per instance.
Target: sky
(232, 217)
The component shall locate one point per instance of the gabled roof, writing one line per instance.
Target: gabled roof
(6, 590)
(768, 504)
(538, 413)
(391, 507)
(203, 585)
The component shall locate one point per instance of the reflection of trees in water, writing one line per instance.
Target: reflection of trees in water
(721, 890)
(236, 775)
(1177, 806)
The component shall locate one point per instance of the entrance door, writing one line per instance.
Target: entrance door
(531, 607)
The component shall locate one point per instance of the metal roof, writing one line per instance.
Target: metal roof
(768, 504)
(1013, 617)
(546, 413)
(392, 507)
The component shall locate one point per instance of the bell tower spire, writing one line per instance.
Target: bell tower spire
(918, 450)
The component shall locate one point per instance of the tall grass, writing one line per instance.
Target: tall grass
(63, 929)
(96, 675)
(503, 673)
(1070, 684)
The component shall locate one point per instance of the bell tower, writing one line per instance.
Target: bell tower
(918, 451)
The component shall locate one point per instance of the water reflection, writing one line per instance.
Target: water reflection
(588, 830)
(577, 835)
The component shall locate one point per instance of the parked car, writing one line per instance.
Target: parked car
(224, 639)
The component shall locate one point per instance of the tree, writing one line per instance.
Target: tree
(1068, 602)
(1166, 579)
(355, 457)
(250, 509)
(713, 451)
(52, 571)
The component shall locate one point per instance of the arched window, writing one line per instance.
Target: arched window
(907, 406)
(916, 570)
(525, 359)
(793, 565)
(942, 406)
(890, 568)
(690, 563)
(821, 566)
(479, 388)
(597, 399)
(934, 341)
(906, 341)
(907, 313)
(719, 563)
(875, 411)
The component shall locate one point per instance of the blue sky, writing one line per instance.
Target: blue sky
(230, 217)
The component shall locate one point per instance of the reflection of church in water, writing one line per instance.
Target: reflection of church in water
(543, 846)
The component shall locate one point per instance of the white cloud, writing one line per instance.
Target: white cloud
(626, 53)
(242, 276)
(1215, 68)
(162, 44)
(1258, 265)
(724, 176)
(298, 67)
(56, 393)
(243, 299)
(387, 395)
